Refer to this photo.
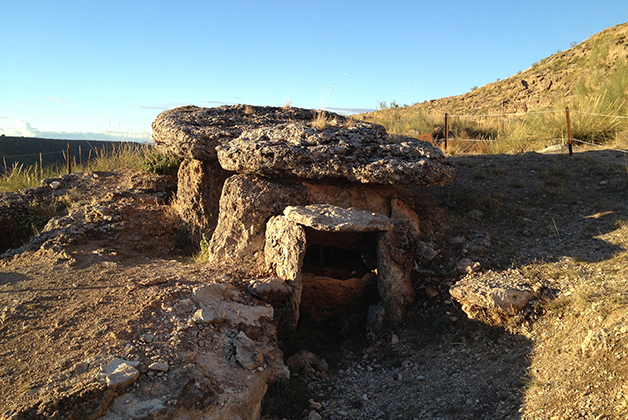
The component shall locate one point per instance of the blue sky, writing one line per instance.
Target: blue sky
(92, 69)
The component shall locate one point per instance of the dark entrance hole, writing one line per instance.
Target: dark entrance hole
(340, 255)
(339, 280)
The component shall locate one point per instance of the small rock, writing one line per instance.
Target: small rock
(315, 405)
(314, 416)
(184, 306)
(80, 367)
(467, 265)
(394, 339)
(273, 290)
(155, 281)
(159, 366)
(119, 373)
(247, 352)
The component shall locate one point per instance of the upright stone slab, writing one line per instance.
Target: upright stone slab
(198, 195)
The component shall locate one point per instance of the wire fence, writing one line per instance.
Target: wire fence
(568, 140)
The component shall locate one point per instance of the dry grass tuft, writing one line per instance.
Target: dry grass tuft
(321, 122)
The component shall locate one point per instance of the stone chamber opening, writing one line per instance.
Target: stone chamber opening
(339, 280)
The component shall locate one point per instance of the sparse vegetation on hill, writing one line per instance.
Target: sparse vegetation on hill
(109, 156)
(591, 78)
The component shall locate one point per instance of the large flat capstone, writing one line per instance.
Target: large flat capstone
(292, 143)
(330, 218)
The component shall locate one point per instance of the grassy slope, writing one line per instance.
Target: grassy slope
(26, 150)
(591, 76)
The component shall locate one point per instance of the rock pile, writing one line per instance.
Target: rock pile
(286, 188)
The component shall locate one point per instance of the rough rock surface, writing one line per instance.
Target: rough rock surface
(194, 132)
(95, 287)
(331, 218)
(246, 205)
(395, 261)
(198, 194)
(284, 252)
(286, 143)
(358, 152)
(493, 294)
(286, 244)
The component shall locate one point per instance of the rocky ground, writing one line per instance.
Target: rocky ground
(113, 281)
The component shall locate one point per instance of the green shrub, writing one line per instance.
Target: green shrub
(159, 164)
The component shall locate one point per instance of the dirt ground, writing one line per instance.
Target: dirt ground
(84, 294)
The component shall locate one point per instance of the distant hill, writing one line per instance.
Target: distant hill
(592, 76)
(27, 150)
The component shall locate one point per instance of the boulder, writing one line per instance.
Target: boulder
(395, 261)
(198, 193)
(493, 295)
(119, 373)
(194, 132)
(246, 204)
(358, 151)
(216, 307)
(288, 143)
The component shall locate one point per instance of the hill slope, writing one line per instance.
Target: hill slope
(26, 150)
(592, 76)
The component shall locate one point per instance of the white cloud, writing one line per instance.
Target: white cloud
(21, 128)
(58, 100)
(350, 110)
(24, 129)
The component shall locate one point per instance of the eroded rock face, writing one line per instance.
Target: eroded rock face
(286, 143)
(198, 194)
(298, 180)
(286, 245)
(359, 152)
(331, 218)
(493, 295)
(194, 132)
(246, 205)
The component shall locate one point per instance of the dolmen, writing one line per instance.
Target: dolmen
(303, 194)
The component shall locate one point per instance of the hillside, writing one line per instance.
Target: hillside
(26, 150)
(591, 76)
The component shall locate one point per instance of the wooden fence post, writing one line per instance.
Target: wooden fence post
(569, 140)
(69, 158)
(446, 129)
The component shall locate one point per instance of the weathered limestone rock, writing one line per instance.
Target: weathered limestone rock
(493, 294)
(198, 194)
(273, 290)
(119, 373)
(295, 184)
(248, 202)
(327, 217)
(395, 260)
(246, 205)
(359, 152)
(286, 245)
(247, 352)
(193, 132)
(217, 306)
(284, 251)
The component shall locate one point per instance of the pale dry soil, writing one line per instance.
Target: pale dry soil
(69, 305)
